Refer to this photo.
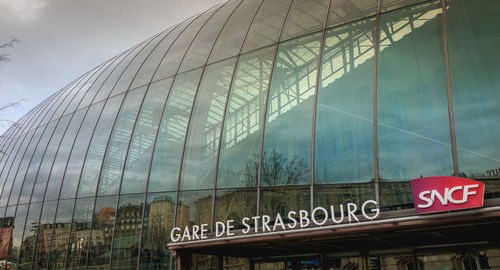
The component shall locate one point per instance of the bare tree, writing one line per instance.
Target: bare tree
(4, 57)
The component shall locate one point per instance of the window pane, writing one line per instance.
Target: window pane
(388, 5)
(198, 170)
(48, 159)
(44, 234)
(171, 135)
(102, 232)
(283, 200)
(95, 154)
(239, 153)
(75, 163)
(287, 139)
(61, 234)
(29, 237)
(80, 234)
(395, 196)
(328, 195)
(473, 32)
(231, 38)
(7, 230)
(63, 152)
(266, 27)
(413, 126)
(344, 118)
(17, 232)
(141, 146)
(304, 17)
(172, 60)
(127, 232)
(114, 160)
(194, 208)
(158, 222)
(235, 204)
(344, 11)
(199, 50)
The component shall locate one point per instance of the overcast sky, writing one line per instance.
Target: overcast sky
(62, 39)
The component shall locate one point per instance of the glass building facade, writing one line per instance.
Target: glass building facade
(252, 107)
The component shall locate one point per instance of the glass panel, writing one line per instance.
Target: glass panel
(158, 222)
(36, 160)
(473, 32)
(75, 163)
(80, 234)
(148, 69)
(96, 87)
(29, 237)
(413, 126)
(61, 234)
(344, 11)
(239, 152)
(204, 262)
(388, 5)
(102, 232)
(44, 234)
(233, 34)
(283, 200)
(464, 259)
(198, 170)
(287, 139)
(235, 204)
(141, 146)
(10, 170)
(127, 232)
(172, 60)
(48, 158)
(112, 79)
(395, 196)
(304, 17)
(326, 195)
(114, 159)
(170, 139)
(17, 233)
(95, 154)
(344, 118)
(199, 50)
(266, 27)
(123, 84)
(7, 231)
(59, 165)
(194, 208)
(23, 167)
(348, 263)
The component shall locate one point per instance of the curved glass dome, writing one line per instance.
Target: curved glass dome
(252, 107)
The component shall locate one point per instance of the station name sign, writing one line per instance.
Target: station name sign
(446, 193)
(295, 220)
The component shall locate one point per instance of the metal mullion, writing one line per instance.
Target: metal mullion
(261, 147)
(315, 105)
(225, 112)
(449, 92)
(192, 109)
(375, 107)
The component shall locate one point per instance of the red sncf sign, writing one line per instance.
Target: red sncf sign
(446, 193)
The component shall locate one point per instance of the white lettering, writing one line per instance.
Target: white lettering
(204, 230)
(229, 227)
(247, 227)
(341, 211)
(279, 221)
(294, 221)
(376, 210)
(265, 222)
(256, 223)
(351, 209)
(217, 232)
(186, 234)
(304, 220)
(313, 216)
(175, 235)
(196, 228)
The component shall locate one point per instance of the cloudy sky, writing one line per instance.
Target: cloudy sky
(62, 39)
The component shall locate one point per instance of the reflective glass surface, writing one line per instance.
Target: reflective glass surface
(158, 221)
(413, 126)
(194, 208)
(198, 168)
(282, 200)
(44, 235)
(344, 117)
(286, 157)
(240, 146)
(304, 17)
(172, 133)
(140, 150)
(235, 204)
(27, 251)
(61, 234)
(472, 36)
(102, 232)
(344, 11)
(79, 239)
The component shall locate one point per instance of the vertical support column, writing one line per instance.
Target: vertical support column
(448, 91)
(375, 115)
